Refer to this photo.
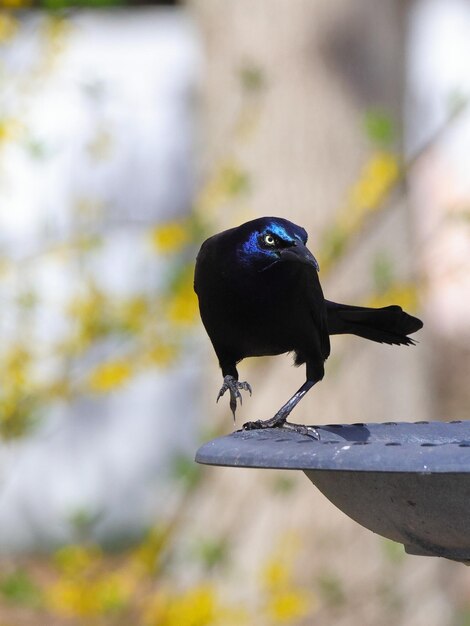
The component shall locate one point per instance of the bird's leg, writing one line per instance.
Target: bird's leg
(233, 386)
(280, 419)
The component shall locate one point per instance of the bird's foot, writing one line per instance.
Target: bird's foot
(302, 429)
(233, 386)
(274, 422)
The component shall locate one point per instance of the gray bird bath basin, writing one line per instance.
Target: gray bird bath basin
(409, 482)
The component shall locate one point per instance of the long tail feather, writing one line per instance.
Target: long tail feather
(389, 324)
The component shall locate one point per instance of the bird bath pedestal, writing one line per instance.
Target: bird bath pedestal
(409, 482)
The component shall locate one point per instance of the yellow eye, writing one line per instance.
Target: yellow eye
(269, 240)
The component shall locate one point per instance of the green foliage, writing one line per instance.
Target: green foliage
(334, 243)
(83, 522)
(27, 299)
(394, 552)
(331, 589)
(19, 415)
(19, 588)
(283, 483)
(186, 471)
(383, 272)
(462, 215)
(56, 5)
(379, 127)
(212, 552)
(252, 78)
(37, 149)
(237, 181)
(462, 617)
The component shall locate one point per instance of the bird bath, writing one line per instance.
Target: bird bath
(409, 482)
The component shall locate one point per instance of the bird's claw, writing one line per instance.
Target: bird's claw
(233, 386)
(302, 429)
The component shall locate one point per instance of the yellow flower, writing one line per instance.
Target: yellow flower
(55, 27)
(60, 388)
(145, 557)
(8, 24)
(229, 182)
(183, 307)
(75, 560)
(161, 354)
(90, 312)
(379, 174)
(68, 598)
(275, 574)
(15, 366)
(19, 399)
(10, 129)
(114, 591)
(89, 597)
(289, 606)
(404, 294)
(133, 313)
(86, 587)
(375, 182)
(17, 412)
(109, 376)
(15, 4)
(170, 237)
(195, 607)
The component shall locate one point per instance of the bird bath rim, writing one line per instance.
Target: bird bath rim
(405, 447)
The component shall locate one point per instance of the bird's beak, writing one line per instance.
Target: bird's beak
(300, 254)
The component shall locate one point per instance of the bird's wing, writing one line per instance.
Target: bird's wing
(318, 311)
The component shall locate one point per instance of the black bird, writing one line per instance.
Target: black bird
(259, 294)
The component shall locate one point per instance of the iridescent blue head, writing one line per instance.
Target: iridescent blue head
(268, 241)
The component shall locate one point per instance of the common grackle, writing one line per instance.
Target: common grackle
(259, 294)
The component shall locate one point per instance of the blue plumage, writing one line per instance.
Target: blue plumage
(280, 232)
(287, 231)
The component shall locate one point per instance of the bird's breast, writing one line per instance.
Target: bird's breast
(257, 317)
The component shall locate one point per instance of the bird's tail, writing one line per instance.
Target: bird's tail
(389, 324)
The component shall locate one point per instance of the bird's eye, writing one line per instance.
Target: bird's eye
(269, 240)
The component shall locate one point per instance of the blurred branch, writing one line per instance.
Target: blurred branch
(382, 180)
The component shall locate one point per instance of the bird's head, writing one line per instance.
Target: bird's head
(267, 241)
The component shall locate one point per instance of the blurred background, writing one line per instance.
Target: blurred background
(127, 135)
